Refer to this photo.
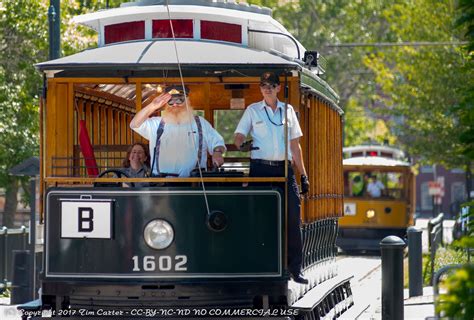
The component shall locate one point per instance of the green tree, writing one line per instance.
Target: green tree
(423, 94)
(22, 34)
(465, 21)
(422, 87)
(24, 42)
(322, 26)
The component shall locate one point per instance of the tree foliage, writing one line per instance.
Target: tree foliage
(422, 87)
(24, 42)
(22, 34)
(322, 26)
(423, 94)
(465, 22)
(457, 302)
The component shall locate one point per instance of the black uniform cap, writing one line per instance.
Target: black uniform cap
(269, 78)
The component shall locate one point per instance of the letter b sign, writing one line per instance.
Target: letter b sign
(86, 219)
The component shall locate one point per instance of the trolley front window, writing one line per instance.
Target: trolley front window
(392, 185)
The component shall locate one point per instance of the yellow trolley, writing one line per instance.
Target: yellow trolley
(379, 196)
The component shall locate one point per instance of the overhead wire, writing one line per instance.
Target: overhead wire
(198, 160)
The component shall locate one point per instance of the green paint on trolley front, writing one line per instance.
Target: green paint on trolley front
(250, 245)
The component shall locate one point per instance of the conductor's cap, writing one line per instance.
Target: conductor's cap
(269, 78)
(177, 90)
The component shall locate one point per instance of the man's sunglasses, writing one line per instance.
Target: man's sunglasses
(176, 100)
(268, 86)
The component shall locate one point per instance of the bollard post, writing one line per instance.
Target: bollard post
(21, 284)
(415, 262)
(4, 233)
(392, 277)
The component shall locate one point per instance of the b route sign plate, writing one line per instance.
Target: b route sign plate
(86, 219)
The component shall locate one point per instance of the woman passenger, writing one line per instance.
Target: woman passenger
(137, 163)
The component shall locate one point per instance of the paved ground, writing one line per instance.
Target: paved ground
(367, 282)
(421, 307)
(367, 286)
(8, 312)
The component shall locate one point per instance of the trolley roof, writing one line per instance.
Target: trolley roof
(160, 54)
(374, 156)
(264, 44)
(377, 150)
(374, 161)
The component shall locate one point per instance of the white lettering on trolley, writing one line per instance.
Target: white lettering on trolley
(163, 263)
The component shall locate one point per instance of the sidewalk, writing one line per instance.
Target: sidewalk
(4, 301)
(421, 307)
(7, 311)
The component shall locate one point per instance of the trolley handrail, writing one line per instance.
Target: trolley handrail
(161, 180)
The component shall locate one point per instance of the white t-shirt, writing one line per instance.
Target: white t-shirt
(375, 188)
(179, 144)
(267, 136)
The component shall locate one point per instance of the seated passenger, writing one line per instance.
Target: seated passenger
(137, 163)
(177, 138)
(358, 186)
(375, 187)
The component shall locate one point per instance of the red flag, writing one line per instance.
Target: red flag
(87, 150)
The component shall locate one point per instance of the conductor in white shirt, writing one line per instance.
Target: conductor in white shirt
(375, 187)
(265, 121)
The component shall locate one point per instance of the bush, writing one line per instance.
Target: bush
(444, 256)
(458, 301)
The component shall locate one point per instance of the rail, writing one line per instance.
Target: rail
(435, 239)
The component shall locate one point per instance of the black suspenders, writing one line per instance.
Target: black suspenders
(159, 133)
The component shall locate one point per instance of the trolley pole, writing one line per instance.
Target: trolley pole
(392, 277)
(54, 18)
(415, 279)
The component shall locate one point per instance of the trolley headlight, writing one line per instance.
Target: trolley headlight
(158, 234)
(370, 213)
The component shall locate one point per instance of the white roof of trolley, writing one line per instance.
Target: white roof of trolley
(159, 54)
(396, 153)
(374, 161)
